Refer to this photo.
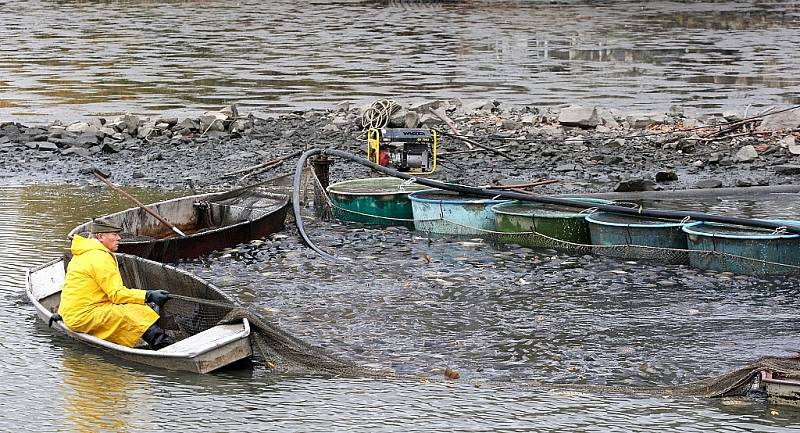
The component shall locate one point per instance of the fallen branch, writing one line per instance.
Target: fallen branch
(482, 146)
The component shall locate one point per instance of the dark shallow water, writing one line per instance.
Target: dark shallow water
(500, 315)
(66, 59)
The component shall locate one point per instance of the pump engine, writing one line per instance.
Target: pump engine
(411, 150)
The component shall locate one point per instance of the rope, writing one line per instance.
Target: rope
(377, 115)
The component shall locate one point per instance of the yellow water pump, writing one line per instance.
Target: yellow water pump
(411, 150)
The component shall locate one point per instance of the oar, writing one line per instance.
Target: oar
(102, 176)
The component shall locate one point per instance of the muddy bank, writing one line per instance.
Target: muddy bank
(588, 149)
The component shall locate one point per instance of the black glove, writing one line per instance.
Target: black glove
(158, 297)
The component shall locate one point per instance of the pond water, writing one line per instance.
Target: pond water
(503, 316)
(67, 59)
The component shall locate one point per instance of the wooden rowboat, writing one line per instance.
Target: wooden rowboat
(780, 390)
(201, 344)
(211, 222)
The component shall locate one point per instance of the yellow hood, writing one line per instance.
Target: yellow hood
(82, 245)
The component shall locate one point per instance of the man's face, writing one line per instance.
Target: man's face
(109, 240)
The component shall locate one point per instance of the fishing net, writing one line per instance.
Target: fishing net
(283, 353)
(627, 242)
(196, 306)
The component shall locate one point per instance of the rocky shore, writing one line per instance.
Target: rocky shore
(588, 149)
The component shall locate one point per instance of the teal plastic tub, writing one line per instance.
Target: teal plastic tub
(743, 250)
(376, 200)
(543, 225)
(631, 237)
(448, 212)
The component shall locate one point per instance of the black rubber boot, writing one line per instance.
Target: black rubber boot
(157, 338)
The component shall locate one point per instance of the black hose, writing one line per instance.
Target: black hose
(495, 193)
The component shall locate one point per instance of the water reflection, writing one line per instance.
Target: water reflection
(131, 56)
(98, 395)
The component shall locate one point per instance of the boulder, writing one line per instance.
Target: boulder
(411, 120)
(666, 176)
(575, 115)
(709, 183)
(211, 121)
(787, 169)
(746, 154)
(785, 120)
(638, 184)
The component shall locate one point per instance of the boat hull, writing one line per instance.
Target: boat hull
(211, 221)
(203, 352)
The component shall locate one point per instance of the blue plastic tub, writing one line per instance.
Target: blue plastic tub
(630, 237)
(738, 245)
(448, 212)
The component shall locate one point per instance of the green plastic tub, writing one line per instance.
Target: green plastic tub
(540, 225)
(375, 200)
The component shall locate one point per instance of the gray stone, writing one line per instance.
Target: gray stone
(211, 122)
(607, 119)
(666, 176)
(746, 154)
(788, 169)
(398, 118)
(79, 151)
(732, 116)
(46, 146)
(32, 145)
(125, 123)
(565, 168)
(638, 184)
(240, 125)
(511, 125)
(612, 159)
(82, 128)
(86, 140)
(330, 129)
(411, 120)
(574, 141)
(642, 120)
(230, 111)
(430, 121)
(146, 130)
(785, 120)
(171, 121)
(482, 105)
(709, 183)
(575, 115)
(188, 124)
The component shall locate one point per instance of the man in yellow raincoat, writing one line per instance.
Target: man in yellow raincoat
(95, 301)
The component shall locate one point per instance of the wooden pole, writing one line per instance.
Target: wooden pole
(103, 179)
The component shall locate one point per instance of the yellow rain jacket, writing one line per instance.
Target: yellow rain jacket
(95, 301)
